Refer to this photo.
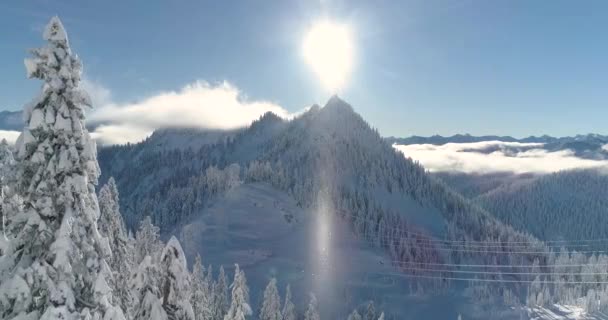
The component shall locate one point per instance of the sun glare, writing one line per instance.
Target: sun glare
(328, 49)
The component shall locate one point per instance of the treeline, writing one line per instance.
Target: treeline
(567, 205)
(160, 285)
(331, 153)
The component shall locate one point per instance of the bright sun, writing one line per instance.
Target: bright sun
(328, 48)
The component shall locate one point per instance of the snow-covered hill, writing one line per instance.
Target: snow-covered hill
(385, 213)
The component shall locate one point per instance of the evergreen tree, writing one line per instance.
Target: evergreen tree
(271, 307)
(9, 201)
(355, 315)
(174, 282)
(239, 307)
(201, 297)
(55, 267)
(289, 309)
(147, 240)
(112, 227)
(312, 313)
(370, 314)
(382, 316)
(220, 300)
(145, 286)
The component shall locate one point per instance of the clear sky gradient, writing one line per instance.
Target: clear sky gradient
(421, 67)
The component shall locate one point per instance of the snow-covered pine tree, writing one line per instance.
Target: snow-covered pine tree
(201, 298)
(239, 307)
(112, 227)
(370, 313)
(220, 298)
(175, 289)
(312, 313)
(7, 161)
(271, 306)
(289, 309)
(147, 241)
(211, 286)
(57, 268)
(145, 287)
(381, 316)
(9, 201)
(355, 315)
(110, 221)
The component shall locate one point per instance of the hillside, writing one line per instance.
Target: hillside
(569, 205)
(326, 160)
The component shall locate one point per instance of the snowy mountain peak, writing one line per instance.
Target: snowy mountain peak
(337, 103)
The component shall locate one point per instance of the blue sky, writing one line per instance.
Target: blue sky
(421, 67)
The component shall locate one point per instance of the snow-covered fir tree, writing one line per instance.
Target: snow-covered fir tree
(10, 202)
(381, 317)
(355, 315)
(271, 306)
(289, 309)
(200, 298)
(370, 313)
(7, 162)
(112, 227)
(239, 306)
(220, 297)
(175, 282)
(147, 304)
(312, 313)
(55, 266)
(147, 241)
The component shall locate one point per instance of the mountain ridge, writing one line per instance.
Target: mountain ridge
(467, 138)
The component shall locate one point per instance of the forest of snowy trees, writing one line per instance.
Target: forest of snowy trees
(572, 204)
(69, 252)
(298, 157)
(511, 267)
(65, 252)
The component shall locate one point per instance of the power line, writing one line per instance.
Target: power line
(506, 273)
(496, 266)
(484, 280)
(372, 241)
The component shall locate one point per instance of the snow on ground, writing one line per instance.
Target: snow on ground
(559, 312)
(267, 234)
(264, 231)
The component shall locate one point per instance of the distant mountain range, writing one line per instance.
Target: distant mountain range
(467, 138)
(11, 120)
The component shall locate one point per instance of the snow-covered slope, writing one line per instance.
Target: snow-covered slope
(330, 160)
(266, 233)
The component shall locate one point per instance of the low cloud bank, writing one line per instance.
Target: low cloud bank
(503, 157)
(197, 105)
(9, 136)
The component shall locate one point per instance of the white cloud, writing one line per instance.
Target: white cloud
(506, 156)
(10, 136)
(198, 105)
(100, 95)
(119, 134)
